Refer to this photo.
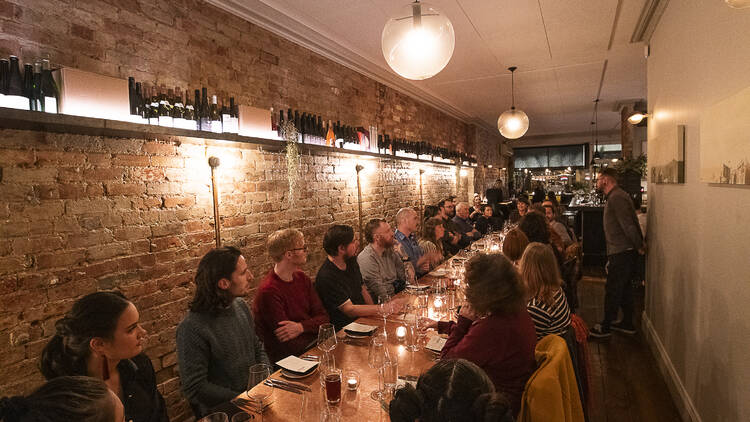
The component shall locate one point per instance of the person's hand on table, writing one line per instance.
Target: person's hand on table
(398, 304)
(427, 323)
(424, 263)
(288, 330)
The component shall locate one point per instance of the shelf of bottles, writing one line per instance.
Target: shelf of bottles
(159, 105)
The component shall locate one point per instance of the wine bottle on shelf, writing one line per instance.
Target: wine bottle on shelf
(320, 132)
(235, 115)
(137, 98)
(131, 96)
(165, 109)
(280, 124)
(303, 128)
(274, 123)
(146, 112)
(37, 88)
(153, 117)
(226, 118)
(189, 114)
(197, 111)
(330, 136)
(178, 110)
(28, 86)
(4, 72)
(14, 97)
(50, 94)
(215, 116)
(297, 125)
(205, 116)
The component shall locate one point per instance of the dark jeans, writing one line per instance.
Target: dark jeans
(621, 270)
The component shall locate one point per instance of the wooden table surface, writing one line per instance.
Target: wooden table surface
(351, 354)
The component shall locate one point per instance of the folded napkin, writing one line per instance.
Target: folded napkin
(296, 365)
(358, 329)
(436, 343)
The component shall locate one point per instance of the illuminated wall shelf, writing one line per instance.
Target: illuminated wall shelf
(63, 123)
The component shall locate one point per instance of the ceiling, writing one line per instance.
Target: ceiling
(568, 52)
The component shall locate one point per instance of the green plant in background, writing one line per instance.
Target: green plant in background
(636, 165)
(289, 133)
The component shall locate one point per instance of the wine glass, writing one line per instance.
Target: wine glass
(256, 389)
(385, 308)
(326, 338)
(376, 357)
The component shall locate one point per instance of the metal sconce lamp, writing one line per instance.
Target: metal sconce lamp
(639, 113)
(214, 162)
(359, 168)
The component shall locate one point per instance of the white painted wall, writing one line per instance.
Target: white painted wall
(698, 294)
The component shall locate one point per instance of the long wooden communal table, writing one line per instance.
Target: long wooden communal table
(352, 354)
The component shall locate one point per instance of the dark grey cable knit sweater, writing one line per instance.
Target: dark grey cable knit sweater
(215, 353)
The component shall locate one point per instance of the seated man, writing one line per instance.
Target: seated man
(286, 308)
(339, 282)
(216, 342)
(381, 268)
(453, 239)
(464, 223)
(406, 225)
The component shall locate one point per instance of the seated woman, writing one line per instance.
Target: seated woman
(514, 244)
(546, 300)
(494, 329)
(64, 399)
(550, 212)
(101, 337)
(453, 390)
(432, 241)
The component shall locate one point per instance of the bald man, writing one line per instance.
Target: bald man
(464, 224)
(406, 225)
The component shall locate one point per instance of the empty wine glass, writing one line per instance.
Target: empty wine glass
(256, 389)
(326, 338)
(376, 357)
(385, 308)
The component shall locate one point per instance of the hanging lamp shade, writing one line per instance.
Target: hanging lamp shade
(418, 41)
(513, 123)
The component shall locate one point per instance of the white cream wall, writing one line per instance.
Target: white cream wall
(698, 291)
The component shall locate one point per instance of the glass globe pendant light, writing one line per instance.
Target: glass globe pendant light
(513, 123)
(418, 41)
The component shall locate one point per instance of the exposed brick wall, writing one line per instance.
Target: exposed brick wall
(82, 213)
(190, 44)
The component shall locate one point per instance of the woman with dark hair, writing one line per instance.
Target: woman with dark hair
(216, 342)
(431, 242)
(454, 390)
(101, 337)
(493, 329)
(64, 399)
(514, 244)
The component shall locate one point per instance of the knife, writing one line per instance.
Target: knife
(290, 384)
(282, 387)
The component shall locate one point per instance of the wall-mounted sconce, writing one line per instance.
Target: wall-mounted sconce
(639, 113)
(214, 162)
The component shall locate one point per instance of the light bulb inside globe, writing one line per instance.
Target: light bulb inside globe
(513, 123)
(636, 118)
(418, 41)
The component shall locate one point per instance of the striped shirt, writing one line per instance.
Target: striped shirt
(547, 319)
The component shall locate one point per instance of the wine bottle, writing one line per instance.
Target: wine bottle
(205, 116)
(330, 137)
(178, 110)
(138, 95)
(165, 109)
(215, 116)
(274, 123)
(280, 125)
(14, 97)
(50, 95)
(153, 117)
(131, 95)
(28, 86)
(226, 118)
(234, 116)
(4, 72)
(197, 111)
(37, 88)
(189, 114)
(297, 125)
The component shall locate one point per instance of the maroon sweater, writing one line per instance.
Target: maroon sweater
(276, 301)
(502, 345)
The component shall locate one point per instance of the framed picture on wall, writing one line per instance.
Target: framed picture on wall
(666, 156)
(725, 141)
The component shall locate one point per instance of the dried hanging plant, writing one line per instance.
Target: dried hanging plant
(289, 134)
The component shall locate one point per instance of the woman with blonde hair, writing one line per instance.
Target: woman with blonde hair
(546, 304)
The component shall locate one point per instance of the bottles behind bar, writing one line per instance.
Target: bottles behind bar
(280, 124)
(37, 86)
(131, 96)
(28, 86)
(205, 118)
(234, 121)
(153, 117)
(50, 95)
(14, 97)
(178, 112)
(189, 115)
(165, 108)
(4, 72)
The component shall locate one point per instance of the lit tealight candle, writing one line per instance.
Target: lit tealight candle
(438, 302)
(494, 248)
(401, 332)
(352, 380)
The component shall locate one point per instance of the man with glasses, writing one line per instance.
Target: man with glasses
(287, 309)
(381, 268)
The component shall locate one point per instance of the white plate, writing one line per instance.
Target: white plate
(293, 376)
(357, 335)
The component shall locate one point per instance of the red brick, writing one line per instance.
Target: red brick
(127, 189)
(158, 148)
(12, 157)
(59, 259)
(176, 162)
(131, 160)
(81, 31)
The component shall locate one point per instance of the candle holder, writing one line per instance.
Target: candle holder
(351, 378)
(400, 333)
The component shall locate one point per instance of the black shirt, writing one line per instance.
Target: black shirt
(335, 287)
(141, 399)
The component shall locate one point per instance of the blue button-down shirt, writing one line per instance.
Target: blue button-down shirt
(411, 247)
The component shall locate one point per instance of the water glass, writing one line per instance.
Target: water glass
(390, 374)
(423, 300)
(215, 417)
(412, 336)
(256, 390)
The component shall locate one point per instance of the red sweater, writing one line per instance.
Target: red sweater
(276, 301)
(502, 345)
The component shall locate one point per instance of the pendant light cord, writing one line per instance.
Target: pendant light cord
(512, 87)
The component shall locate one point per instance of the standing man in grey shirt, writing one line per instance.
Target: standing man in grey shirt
(624, 245)
(216, 342)
(382, 269)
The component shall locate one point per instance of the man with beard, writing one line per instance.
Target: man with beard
(624, 245)
(339, 281)
(381, 268)
(452, 237)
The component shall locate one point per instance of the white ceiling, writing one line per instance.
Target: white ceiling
(567, 52)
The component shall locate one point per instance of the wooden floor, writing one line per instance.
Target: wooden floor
(626, 382)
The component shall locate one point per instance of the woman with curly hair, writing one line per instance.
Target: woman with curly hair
(494, 330)
(432, 241)
(454, 390)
